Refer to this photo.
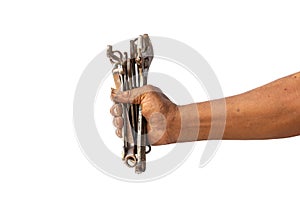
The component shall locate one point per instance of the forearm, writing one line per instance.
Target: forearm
(270, 111)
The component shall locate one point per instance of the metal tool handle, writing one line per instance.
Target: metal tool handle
(131, 72)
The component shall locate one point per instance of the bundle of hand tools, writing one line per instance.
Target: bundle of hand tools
(131, 72)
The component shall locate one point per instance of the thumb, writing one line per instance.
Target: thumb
(133, 96)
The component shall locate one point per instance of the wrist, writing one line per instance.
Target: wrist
(195, 122)
(188, 123)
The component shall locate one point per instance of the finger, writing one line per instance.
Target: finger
(119, 132)
(133, 96)
(118, 122)
(157, 126)
(116, 110)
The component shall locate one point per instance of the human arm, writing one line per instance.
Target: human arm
(267, 112)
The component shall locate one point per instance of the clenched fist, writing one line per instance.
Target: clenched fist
(163, 119)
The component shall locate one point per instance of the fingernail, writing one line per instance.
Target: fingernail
(119, 133)
(115, 110)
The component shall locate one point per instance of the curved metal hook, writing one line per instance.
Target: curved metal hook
(114, 56)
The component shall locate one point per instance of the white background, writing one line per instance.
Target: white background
(44, 48)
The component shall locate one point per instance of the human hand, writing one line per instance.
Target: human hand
(162, 115)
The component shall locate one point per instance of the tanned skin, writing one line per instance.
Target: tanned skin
(267, 112)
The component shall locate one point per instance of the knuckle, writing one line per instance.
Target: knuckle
(118, 122)
(126, 94)
(151, 88)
